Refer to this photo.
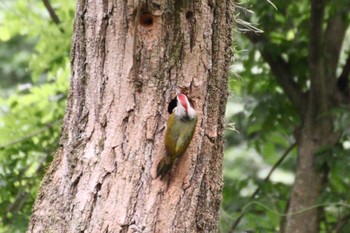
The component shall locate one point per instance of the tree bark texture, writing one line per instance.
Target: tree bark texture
(128, 58)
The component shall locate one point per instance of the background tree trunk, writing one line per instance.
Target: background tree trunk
(127, 60)
(317, 126)
(310, 178)
(315, 99)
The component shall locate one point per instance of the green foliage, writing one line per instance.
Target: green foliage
(34, 71)
(13, 68)
(266, 121)
(31, 19)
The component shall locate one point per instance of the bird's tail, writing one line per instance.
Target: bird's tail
(164, 167)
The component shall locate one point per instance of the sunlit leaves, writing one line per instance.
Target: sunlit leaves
(31, 111)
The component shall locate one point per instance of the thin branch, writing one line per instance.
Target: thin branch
(274, 6)
(281, 70)
(283, 157)
(33, 134)
(52, 12)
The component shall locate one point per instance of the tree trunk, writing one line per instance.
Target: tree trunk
(326, 92)
(317, 131)
(303, 213)
(127, 61)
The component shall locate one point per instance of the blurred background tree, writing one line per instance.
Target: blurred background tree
(292, 95)
(35, 39)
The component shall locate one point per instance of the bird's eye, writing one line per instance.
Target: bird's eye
(172, 105)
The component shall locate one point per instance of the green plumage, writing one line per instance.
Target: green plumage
(178, 136)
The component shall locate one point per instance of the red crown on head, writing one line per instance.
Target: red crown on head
(183, 99)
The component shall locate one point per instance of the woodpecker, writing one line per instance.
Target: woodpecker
(180, 128)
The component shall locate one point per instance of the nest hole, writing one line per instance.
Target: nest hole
(189, 14)
(146, 20)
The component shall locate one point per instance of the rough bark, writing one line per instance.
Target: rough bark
(127, 60)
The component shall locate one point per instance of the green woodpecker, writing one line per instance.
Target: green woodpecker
(180, 128)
